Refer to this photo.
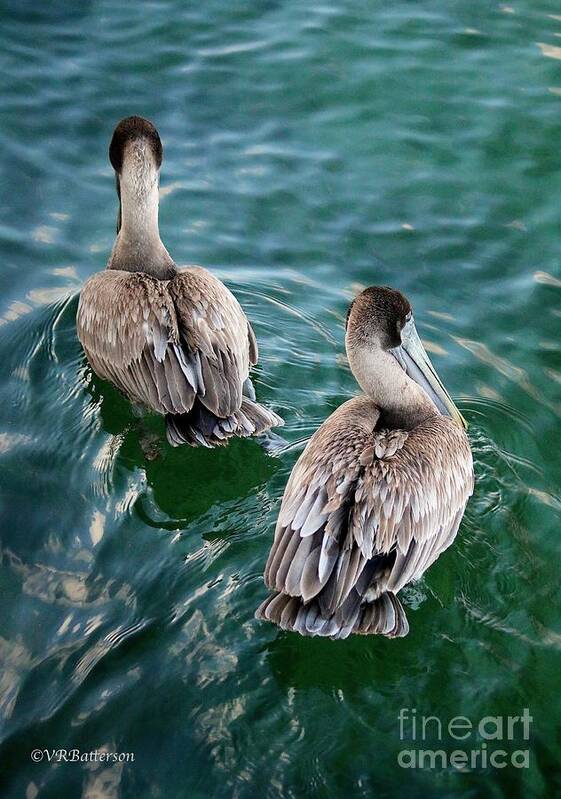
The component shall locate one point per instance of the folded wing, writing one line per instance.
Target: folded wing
(212, 325)
(366, 511)
(166, 343)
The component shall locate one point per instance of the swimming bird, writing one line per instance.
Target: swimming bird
(173, 340)
(379, 491)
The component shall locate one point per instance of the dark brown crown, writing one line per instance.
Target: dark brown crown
(378, 311)
(130, 129)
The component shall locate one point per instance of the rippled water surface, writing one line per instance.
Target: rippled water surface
(310, 149)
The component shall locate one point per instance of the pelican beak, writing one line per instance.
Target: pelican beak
(412, 357)
(119, 215)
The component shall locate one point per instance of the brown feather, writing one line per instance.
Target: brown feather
(381, 504)
(168, 344)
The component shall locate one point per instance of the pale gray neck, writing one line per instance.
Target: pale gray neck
(402, 402)
(138, 247)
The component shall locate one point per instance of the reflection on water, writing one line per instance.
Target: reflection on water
(547, 279)
(302, 146)
(514, 373)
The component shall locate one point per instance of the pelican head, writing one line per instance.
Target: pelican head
(136, 153)
(389, 361)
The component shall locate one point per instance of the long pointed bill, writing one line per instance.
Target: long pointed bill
(119, 212)
(412, 357)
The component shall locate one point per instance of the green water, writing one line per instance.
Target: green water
(310, 148)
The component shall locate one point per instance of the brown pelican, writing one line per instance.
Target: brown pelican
(379, 491)
(176, 341)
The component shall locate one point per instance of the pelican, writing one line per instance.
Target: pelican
(379, 491)
(175, 341)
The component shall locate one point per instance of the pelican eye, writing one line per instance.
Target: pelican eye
(402, 322)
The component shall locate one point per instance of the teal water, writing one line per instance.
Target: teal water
(310, 149)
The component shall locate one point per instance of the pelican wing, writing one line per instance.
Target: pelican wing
(164, 343)
(212, 323)
(412, 498)
(313, 540)
(128, 327)
(365, 511)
